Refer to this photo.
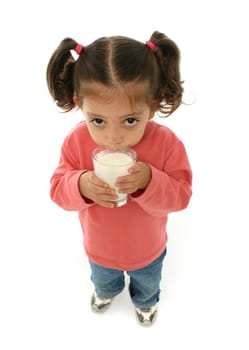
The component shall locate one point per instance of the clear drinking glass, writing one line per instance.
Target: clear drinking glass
(110, 164)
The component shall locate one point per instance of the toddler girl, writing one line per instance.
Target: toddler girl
(119, 84)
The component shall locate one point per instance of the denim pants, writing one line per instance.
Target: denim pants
(144, 286)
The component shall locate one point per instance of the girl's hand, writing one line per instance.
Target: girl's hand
(95, 189)
(139, 178)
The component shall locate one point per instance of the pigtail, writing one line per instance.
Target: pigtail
(60, 75)
(170, 87)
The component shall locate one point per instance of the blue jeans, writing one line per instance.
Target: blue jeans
(144, 286)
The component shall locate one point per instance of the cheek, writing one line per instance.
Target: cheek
(93, 132)
(97, 136)
(140, 130)
(136, 135)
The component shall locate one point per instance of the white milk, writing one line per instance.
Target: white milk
(109, 165)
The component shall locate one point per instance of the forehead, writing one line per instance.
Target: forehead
(113, 103)
(129, 93)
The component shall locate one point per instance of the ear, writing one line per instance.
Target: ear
(154, 107)
(151, 115)
(77, 101)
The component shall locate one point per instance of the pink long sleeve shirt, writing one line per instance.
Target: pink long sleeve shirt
(132, 236)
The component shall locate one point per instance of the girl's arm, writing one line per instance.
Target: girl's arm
(161, 191)
(64, 189)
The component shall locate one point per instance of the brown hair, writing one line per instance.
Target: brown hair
(115, 62)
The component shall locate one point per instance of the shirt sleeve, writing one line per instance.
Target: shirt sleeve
(170, 188)
(64, 189)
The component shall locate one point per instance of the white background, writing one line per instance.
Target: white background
(44, 275)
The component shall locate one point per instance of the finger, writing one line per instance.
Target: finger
(100, 186)
(106, 200)
(128, 187)
(137, 167)
(98, 182)
(103, 191)
(125, 179)
(106, 197)
(128, 190)
(128, 182)
(106, 204)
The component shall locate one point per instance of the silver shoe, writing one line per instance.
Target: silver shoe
(99, 304)
(146, 316)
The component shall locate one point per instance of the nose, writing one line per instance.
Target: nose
(115, 138)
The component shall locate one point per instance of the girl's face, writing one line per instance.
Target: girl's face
(113, 122)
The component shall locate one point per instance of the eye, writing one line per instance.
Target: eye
(130, 121)
(98, 122)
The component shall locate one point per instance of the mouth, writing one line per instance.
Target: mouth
(116, 147)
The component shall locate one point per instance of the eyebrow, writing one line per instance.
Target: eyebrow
(90, 114)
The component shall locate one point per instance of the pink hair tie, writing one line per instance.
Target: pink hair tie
(78, 48)
(151, 45)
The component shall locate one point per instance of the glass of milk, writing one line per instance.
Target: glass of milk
(110, 164)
